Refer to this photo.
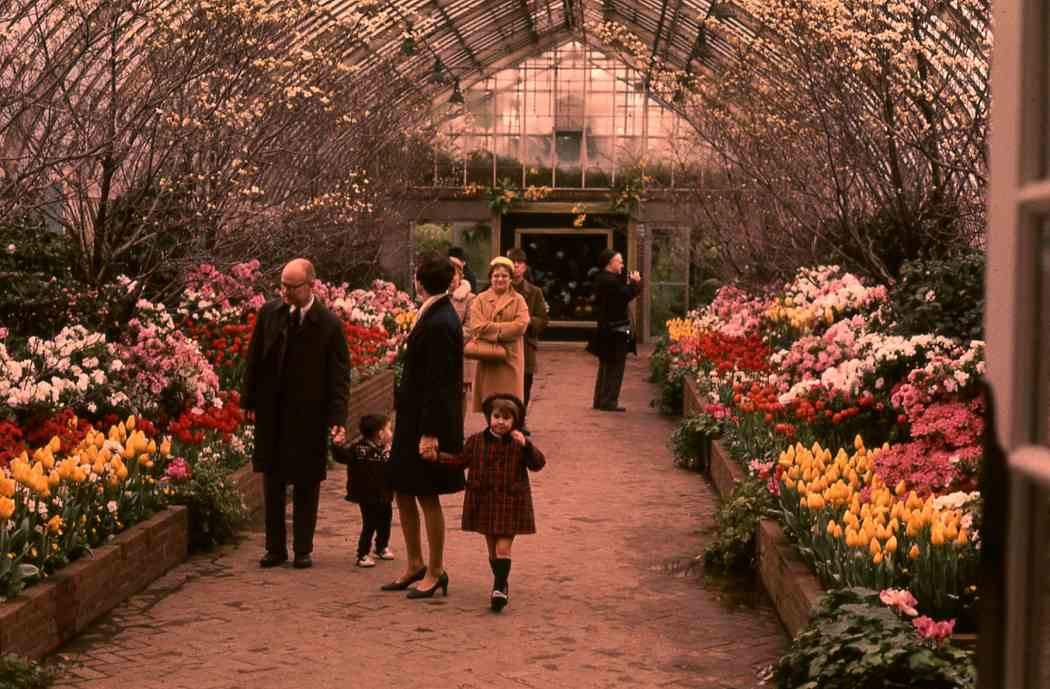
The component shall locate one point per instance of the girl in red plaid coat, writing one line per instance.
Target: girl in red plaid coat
(498, 500)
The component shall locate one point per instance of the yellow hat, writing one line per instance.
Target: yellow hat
(502, 261)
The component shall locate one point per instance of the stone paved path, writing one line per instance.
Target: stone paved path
(605, 595)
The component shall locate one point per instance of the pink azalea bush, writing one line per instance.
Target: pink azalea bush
(163, 367)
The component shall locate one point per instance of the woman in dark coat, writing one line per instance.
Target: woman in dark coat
(429, 407)
(613, 339)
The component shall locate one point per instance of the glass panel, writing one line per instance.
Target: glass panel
(565, 94)
(476, 240)
(479, 168)
(669, 301)
(670, 256)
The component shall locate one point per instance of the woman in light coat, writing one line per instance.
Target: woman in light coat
(499, 314)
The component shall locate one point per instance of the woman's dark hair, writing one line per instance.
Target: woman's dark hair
(435, 273)
(371, 424)
(507, 403)
(457, 252)
(605, 257)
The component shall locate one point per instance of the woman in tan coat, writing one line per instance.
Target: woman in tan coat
(499, 314)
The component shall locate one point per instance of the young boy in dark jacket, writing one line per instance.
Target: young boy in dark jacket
(366, 484)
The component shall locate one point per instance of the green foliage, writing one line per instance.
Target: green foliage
(942, 296)
(216, 510)
(691, 441)
(36, 268)
(659, 362)
(737, 518)
(853, 641)
(501, 196)
(433, 237)
(17, 672)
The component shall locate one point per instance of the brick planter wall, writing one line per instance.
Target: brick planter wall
(690, 397)
(373, 396)
(787, 579)
(52, 612)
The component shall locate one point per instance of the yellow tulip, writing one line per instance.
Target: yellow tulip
(937, 535)
(7, 508)
(7, 487)
(962, 539)
(831, 527)
(815, 501)
(874, 546)
(858, 442)
(165, 446)
(55, 445)
(901, 489)
(130, 423)
(877, 558)
(838, 531)
(54, 524)
(951, 532)
(891, 544)
(914, 552)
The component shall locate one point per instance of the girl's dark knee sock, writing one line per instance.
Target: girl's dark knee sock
(501, 568)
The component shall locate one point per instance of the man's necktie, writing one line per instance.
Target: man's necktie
(293, 320)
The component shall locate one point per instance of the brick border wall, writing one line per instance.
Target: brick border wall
(50, 613)
(373, 396)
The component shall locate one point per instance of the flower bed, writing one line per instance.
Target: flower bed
(868, 441)
(68, 485)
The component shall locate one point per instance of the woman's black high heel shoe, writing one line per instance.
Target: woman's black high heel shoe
(402, 585)
(442, 583)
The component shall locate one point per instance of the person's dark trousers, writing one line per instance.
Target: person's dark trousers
(305, 497)
(528, 388)
(610, 378)
(375, 522)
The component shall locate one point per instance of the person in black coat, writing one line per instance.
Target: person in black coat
(429, 412)
(613, 339)
(297, 383)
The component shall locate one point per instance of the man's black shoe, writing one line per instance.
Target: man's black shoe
(302, 562)
(272, 560)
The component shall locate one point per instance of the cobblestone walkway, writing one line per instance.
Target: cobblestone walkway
(605, 595)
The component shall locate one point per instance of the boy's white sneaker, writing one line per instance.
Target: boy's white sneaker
(387, 554)
(365, 561)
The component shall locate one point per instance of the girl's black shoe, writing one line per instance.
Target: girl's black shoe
(402, 585)
(442, 583)
(499, 599)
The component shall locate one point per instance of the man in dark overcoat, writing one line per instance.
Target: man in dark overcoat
(613, 339)
(297, 383)
(539, 315)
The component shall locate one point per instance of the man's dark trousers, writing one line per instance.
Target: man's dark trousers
(610, 378)
(305, 498)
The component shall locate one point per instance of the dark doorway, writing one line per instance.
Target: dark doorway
(563, 261)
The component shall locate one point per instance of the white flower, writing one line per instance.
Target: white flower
(112, 506)
(11, 248)
(930, 295)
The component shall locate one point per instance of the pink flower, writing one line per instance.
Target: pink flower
(900, 600)
(761, 469)
(178, 470)
(934, 631)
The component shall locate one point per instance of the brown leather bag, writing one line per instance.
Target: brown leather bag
(483, 350)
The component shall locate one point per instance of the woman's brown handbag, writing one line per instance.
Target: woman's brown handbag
(483, 350)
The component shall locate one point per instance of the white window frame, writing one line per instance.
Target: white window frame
(1018, 213)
